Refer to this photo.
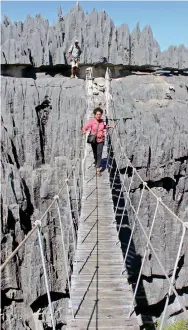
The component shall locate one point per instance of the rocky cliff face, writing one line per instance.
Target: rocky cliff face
(34, 42)
(152, 117)
(41, 121)
(41, 140)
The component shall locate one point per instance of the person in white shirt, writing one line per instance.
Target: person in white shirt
(74, 53)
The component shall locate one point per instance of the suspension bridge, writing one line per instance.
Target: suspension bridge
(99, 292)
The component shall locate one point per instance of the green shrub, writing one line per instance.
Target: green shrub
(179, 325)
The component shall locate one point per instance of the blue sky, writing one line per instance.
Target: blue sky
(168, 19)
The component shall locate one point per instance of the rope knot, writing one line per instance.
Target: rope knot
(56, 197)
(38, 223)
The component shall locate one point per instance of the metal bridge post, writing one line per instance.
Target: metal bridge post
(122, 185)
(64, 252)
(157, 258)
(132, 231)
(185, 226)
(143, 260)
(71, 223)
(110, 148)
(127, 193)
(117, 169)
(80, 173)
(112, 160)
(75, 191)
(84, 158)
(109, 151)
(38, 224)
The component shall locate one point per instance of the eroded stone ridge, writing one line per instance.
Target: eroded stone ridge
(151, 112)
(36, 43)
(40, 141)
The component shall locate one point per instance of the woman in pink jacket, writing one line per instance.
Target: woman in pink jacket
(97, 126)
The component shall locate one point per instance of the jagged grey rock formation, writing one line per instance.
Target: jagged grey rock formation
(152, 114)
(41, 140)
(37, 43)
(41, 120)
(41, 137)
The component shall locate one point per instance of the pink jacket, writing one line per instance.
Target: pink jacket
(92, 125)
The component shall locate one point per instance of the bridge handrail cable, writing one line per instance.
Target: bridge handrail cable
(117, 145)
(37, 222)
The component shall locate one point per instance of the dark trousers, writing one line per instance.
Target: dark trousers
(97, 152)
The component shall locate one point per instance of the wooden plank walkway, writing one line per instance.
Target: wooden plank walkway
(101, 296)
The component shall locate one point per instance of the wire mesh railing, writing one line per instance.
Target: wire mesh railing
(38, 227)
(130, 179)
(73, 185)
(117, 156)
(71, 189)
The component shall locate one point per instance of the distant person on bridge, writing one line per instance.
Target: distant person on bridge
(74, 53)
(96, 136)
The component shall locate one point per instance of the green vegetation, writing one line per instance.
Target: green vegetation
(179, 325)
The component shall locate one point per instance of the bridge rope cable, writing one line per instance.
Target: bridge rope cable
(45, 274)
(38, 227)
(64, 254)
(117, 146)
(71, 225)
(75, 191)
(171, 282)
(126, 157)
(140, 178)
(35, 225)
